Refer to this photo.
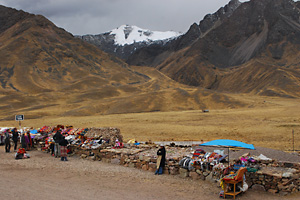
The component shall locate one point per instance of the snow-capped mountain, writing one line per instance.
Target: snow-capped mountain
(125, 40)
(126, 35)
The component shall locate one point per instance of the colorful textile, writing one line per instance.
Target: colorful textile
(158, 161)
(63, 151)
(230, 177)
(198, 152)
(21, 151)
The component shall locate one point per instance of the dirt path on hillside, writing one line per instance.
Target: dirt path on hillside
(46, 177)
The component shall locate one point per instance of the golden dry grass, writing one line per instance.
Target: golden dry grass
(266, 122)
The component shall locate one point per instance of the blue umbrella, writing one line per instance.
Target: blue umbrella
(228, 144)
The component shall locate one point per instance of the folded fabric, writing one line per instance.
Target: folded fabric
(229, 177)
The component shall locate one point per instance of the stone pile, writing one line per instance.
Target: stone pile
(277, 177)
(272, 176)
(141, 157)
(108, 133)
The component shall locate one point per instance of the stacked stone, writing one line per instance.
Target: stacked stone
(197, 173)
(277, 177)
(130, 158)
(108, 133)
(275, 183)
(273, 176)
(146, 163)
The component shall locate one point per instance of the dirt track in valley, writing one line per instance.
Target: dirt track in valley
(46, 177)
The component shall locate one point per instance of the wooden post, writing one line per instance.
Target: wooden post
(293, 141)
(228, 158)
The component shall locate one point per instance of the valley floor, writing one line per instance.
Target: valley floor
(265, 122)
(46, 177)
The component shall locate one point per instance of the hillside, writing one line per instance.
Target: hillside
(46, 71)
(254, 48)
(54, 78)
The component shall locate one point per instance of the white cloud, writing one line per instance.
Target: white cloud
(98, 16)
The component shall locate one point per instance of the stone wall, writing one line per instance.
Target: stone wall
(108, 133)
(274, 177)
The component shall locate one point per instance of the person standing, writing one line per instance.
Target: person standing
(29, 140)
(15, 136)
(52, 146)
(63, 148)
(57, 138)
(161, 159)
(23, 141)
(7, 141)
(27, 135)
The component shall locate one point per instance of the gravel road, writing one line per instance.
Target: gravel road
(46, 177)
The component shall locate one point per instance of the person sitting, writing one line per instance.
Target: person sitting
(238, 165)
(117, 144)
(21, 154)
(228, 170)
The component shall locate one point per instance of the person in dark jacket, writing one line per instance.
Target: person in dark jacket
(15, 136)
(161, 159)
(52, 147)
(63, 148)
(7, 141)
(57, 138)
(23, 141)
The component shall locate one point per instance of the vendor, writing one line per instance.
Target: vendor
(161, 159)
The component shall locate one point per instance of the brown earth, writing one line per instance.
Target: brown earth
(46, 177)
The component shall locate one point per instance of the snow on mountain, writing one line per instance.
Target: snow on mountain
(126, 35)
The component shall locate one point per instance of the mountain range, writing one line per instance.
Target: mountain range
(231, 50)
(249, 47)
(46, 71)
(125, 40)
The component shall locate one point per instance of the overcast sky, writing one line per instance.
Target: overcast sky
(98, 16)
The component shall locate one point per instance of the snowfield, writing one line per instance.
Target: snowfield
(126, 35)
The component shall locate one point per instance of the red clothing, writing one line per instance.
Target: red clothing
(63, 151)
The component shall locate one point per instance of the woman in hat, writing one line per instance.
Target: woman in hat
(161, 159)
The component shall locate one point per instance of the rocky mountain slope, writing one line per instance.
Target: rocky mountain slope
(46, 71)
(125, 40)
(251, 47)
(155, 54)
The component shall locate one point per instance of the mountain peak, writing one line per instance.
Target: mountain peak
(127, 34)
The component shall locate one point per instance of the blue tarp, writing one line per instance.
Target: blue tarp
(33, 131)
(228, 144)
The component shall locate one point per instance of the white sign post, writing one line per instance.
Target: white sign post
(19, 118)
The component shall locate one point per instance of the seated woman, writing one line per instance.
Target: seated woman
(118, 144)
(238, 165)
